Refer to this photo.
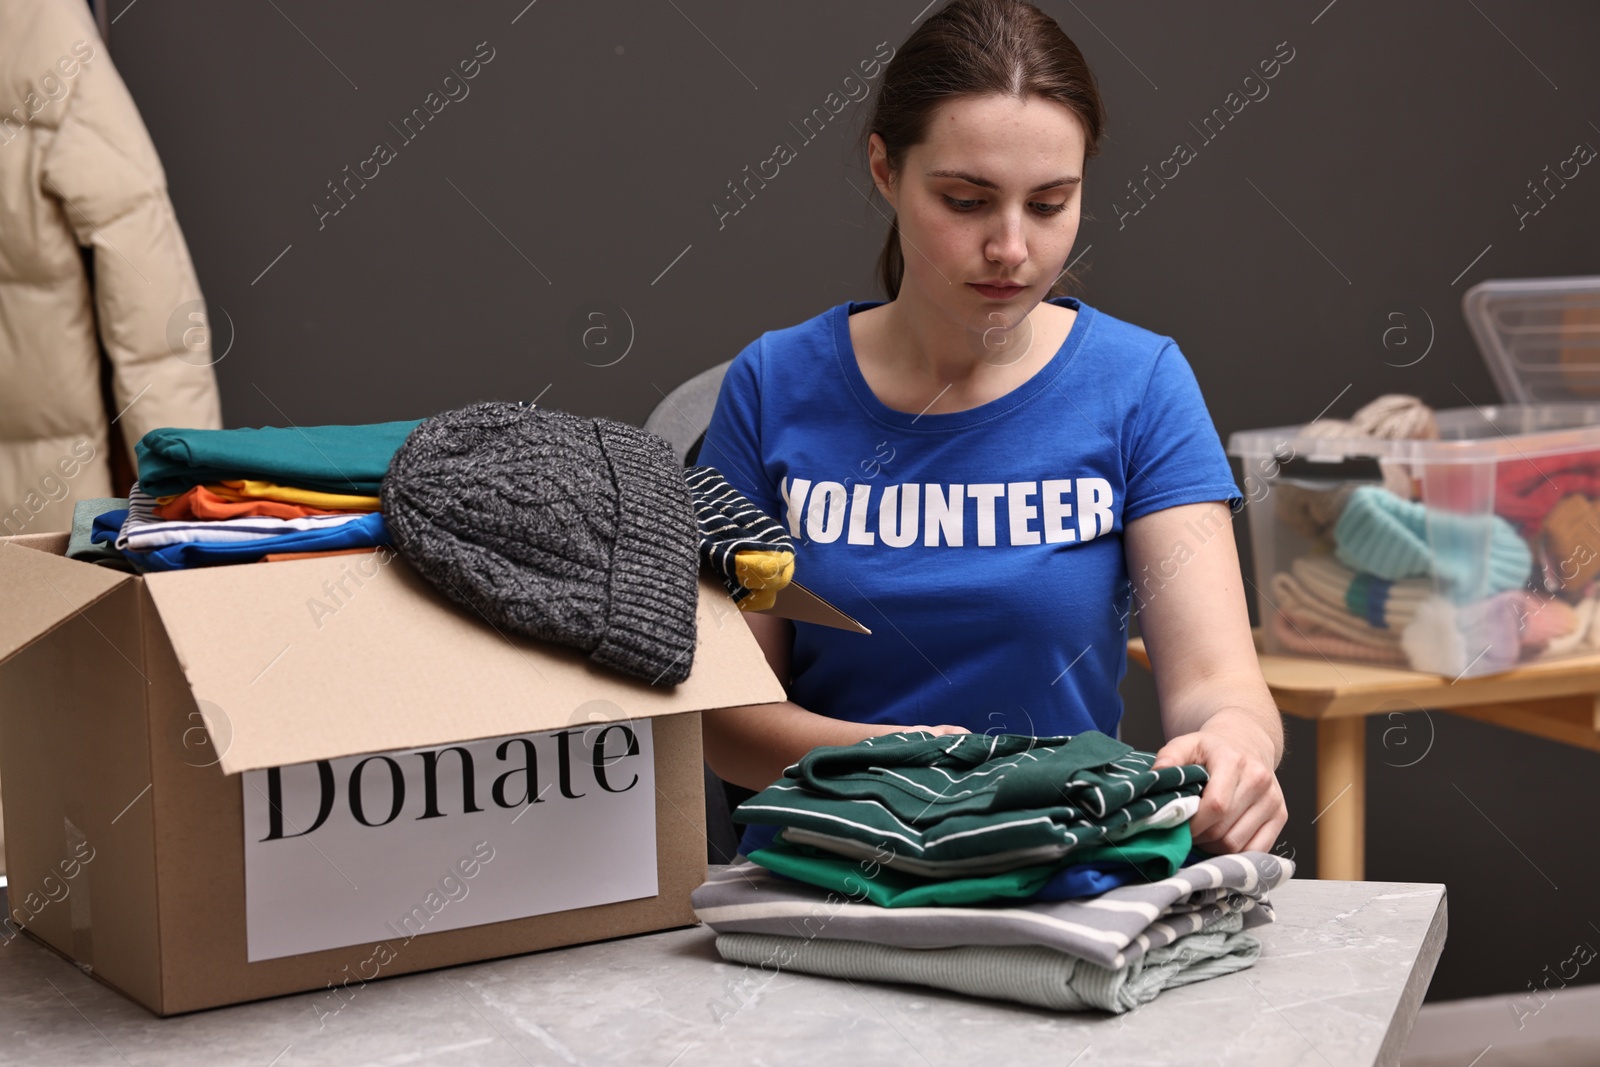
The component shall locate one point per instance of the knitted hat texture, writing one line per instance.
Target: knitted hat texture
(572, 530)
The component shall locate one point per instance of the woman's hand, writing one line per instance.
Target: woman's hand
(1215, 706)
(937, 731)
(1241, 805)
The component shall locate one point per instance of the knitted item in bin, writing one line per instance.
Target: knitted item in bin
(1392, 538)
(1330, 645)
(1397, 417)
(1316, 618)
(1484, 635)
(743, 544)
(566, 529)
(1525, 490)
(1392, 417)
(1375, 601)
(1544, 619)
(1585, 635)
(1572, 543)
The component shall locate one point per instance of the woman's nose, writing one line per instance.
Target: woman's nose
(1008, 245)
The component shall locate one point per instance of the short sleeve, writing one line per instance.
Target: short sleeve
(1175, 456)
(733, 439)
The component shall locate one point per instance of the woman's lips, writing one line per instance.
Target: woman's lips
(998, 292)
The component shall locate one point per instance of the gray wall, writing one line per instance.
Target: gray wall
(579, 176)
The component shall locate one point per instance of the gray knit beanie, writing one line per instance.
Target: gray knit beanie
(566, 529)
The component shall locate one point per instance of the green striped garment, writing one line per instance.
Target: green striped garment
(971, 795)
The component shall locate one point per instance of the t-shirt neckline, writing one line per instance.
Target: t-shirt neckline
(909, 420)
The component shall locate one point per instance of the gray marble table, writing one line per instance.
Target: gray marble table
(1341, 975)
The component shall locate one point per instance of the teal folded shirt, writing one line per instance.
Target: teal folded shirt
(330, 459)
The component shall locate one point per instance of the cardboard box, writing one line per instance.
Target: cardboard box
(134, 710)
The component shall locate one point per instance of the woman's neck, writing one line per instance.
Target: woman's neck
(922, 342)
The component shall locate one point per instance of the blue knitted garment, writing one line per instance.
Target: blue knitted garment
(1469, 555)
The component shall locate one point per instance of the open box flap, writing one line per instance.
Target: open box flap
(319, 658)
(40, 589)
(795, 601)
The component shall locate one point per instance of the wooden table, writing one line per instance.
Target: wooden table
(1558, 700)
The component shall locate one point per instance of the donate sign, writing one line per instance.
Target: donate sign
(388, 846)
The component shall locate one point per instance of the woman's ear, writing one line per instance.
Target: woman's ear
(878, 163)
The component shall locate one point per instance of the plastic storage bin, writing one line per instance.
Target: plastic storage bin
(1461, 556)
(1539, 336)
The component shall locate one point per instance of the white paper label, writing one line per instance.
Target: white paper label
(384, 847)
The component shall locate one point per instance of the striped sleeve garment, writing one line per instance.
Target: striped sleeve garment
(972, 796)
(1112, 930)
(1173, 813)
(744, 545)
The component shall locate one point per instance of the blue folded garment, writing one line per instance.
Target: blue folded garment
(368, 531)
(107, 525)
(1088, 880)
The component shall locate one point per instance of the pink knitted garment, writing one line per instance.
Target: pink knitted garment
(1329, 645)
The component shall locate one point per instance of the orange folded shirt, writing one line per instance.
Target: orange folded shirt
(202, 502)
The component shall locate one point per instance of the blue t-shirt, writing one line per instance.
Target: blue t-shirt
(983, 548)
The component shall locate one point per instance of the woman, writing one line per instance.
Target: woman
(975, 467)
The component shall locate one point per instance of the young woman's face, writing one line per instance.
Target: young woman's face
(992, 195)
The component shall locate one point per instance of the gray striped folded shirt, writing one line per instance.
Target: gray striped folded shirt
(1027, 974)
(1112, 929)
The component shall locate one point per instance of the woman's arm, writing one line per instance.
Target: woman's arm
(751, 745)
(1216, 709)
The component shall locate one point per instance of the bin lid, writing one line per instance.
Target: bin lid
(1539, 336)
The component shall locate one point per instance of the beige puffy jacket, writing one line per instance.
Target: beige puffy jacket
(77, 168)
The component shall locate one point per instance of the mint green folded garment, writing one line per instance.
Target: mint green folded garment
(1472, 556)
(1156, 854)
(330, 459)
(1028, 974)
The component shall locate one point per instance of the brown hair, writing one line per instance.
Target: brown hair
(976, 48)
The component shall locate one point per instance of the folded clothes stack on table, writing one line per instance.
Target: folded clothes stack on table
(1054, 871)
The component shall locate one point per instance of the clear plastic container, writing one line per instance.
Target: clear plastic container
(1539, 336)
(1463, 555)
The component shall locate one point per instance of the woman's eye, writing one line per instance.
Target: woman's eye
(969, 205)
